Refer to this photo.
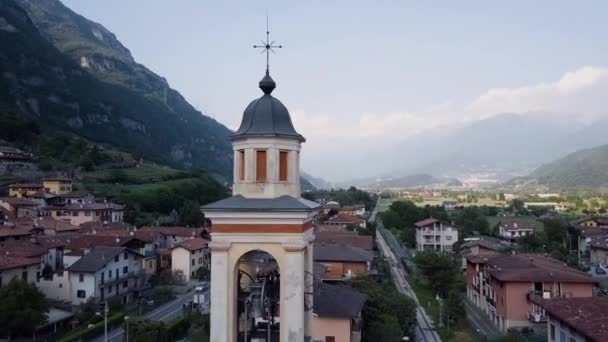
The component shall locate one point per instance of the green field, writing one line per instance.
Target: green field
(480, 202)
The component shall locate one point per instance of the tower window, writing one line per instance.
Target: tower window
(283, 165)
(260, 164)
(241, 164)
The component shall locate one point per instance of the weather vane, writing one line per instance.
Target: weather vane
(268, 46)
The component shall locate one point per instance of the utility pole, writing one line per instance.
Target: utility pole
(105, 319)
(440, 310)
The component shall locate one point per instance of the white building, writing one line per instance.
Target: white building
(513, 228)
(105, 273)
(189, 256)
(433, 234)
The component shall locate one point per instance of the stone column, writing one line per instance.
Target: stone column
(220, 322)
(292, 294)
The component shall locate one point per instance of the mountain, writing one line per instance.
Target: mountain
(501, 146)
(69, 73)
(581, 170)
(316, 182)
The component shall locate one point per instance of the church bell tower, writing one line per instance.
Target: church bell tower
(261, 248)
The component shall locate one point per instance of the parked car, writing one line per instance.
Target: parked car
(600, 270)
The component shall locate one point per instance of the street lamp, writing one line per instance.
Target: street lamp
(127, 321)
(106, 308)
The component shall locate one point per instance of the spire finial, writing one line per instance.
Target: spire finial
(267, 84)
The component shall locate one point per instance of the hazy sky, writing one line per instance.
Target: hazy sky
(357, 74)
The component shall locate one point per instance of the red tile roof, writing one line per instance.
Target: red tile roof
(16, 201)
(588, 316)
(23, 248)
(516, 223)
(532, 267)
(26, 185)
(12, 231)
(57, 225)
(364, 242)
(193, 244)
(8, 262)
(345, 219)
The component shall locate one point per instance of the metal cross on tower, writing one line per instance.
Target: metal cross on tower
(268, 46)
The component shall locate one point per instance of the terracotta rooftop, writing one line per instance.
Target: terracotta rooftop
(532, 267)
(588, 316)
(16, 201)
(516, 223)
(23, 248)
(193, 244)
(57, 225)
(26, 185)
(364, 242)
(57, 178)
(345, 219)
(8, 262)
(12, 231)
(426, 222)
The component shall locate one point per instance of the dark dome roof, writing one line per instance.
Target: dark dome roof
(266, 116)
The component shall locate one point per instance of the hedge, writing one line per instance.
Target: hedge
(177, 328)
(97, 329)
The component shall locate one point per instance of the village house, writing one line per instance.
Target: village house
(105, 273)
(341, 262)
(502, 286)
(175, 235)
(337, 313)
(590, 221)
(513, 228)
(575, 319)
(436, 235)
(20, 207)
(450, 205)
(78, 214)
(52, 227)
(22, 268)
(189, 256)
(57, 185)
(24, 189)
(478, 246)
(352, 210)
(331, 206)
(598, 248)
(346, 220)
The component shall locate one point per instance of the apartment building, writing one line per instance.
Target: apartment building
(502, 286)
(436, 235)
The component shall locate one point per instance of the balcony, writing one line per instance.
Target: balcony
(117, 280)
(539, 295)
(537, 317)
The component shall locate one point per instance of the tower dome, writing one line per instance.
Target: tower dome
(267, 116)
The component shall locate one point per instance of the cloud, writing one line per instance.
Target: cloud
(576, 94)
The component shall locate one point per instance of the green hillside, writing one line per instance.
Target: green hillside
(582, 170)
(68, 73)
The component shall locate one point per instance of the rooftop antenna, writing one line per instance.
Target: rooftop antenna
(268, 46)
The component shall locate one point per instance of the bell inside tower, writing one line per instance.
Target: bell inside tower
(258, 297)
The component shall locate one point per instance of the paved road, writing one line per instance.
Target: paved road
(165, 313)
(425, 331)
(479, 321)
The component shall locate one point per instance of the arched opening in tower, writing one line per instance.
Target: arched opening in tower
(258, 297)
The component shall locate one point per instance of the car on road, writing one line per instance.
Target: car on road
(202, 287)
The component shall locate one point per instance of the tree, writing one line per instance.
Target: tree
(190, 214)
(384, 328)
(147, 331)
(22, 308)
(383, 302)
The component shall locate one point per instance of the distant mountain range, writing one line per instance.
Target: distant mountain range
(72, 74)
(502, 146)
(585, 169)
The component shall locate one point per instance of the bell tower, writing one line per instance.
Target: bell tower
(261, 248)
